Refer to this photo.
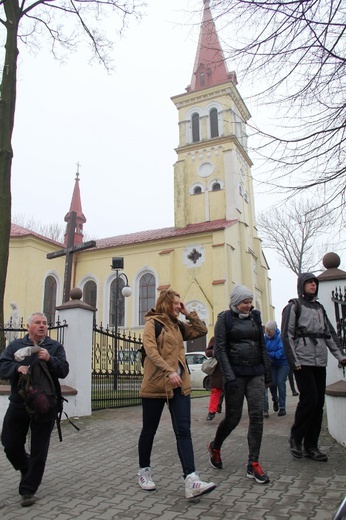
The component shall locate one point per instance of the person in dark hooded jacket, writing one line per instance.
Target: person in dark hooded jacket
(245, 366)
(307, 335)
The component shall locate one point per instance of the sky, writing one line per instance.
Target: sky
(120, 128)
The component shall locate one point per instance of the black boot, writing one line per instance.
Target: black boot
(295, 448)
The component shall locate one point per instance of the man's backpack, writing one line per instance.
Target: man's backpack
(158, 329)
(41, 392)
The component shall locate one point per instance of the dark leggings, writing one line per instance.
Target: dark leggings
(252, 388)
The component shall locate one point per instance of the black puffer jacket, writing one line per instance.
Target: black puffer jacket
(243, 346)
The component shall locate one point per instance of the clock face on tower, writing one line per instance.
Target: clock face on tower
(205, 169)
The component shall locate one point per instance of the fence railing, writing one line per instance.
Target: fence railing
(116, 369)
(55, 331)
(339, 299)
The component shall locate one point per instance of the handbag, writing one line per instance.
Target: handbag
(208, 365)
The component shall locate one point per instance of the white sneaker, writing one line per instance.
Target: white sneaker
(145, 481)
(195, 487)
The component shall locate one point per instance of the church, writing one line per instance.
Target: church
(212, 246)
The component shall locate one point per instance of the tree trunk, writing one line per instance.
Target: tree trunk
(7, 109)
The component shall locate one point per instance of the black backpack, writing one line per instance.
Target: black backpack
(41, 392)
(158, 329)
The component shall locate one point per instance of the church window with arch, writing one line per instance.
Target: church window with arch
(197, 190)
(195, 128)
(90, 293)
(214, 124)
(216, 186)
(147, 290)
(49, 299)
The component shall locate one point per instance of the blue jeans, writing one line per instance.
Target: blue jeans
(278, 386)
(180, 410)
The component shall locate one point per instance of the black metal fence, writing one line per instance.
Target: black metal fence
(339, 300)
(116, 369)
(55, 331)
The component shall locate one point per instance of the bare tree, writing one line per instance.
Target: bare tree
(54, 231)
(295, 231)
(292, 55)
(64, 23)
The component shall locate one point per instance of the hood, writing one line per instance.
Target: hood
(302, 278)
(162, 317)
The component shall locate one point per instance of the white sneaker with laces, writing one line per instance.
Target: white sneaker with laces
(145, 481)
(195, 487)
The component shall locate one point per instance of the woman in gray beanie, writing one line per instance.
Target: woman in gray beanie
(242, 355)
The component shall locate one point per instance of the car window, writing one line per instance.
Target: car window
(190, 360)
(199, 359)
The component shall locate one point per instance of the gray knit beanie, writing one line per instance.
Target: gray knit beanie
(271, 325)
(239, 294)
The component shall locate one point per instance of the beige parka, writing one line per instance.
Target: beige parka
(165, 354)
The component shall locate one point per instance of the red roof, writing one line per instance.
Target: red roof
(210, 67)
(19, 231)
(76, 203)
(163, 233)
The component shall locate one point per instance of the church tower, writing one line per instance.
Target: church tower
(212, 175)
(75, 217)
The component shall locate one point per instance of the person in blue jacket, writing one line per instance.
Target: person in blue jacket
(279, 367)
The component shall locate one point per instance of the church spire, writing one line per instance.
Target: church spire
(210, 67)
(76, 206)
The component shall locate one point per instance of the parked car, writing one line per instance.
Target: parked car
(199, 380)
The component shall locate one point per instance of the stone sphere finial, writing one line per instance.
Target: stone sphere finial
(331, 260)
(76, 293)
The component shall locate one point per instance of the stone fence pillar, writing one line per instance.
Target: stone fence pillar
(331, 278)
(78, 346)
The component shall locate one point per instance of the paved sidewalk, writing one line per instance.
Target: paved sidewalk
(91, 475)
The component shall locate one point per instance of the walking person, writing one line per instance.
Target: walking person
(17, 421)
(279, 367)
(166, 380)
(215, 401)
(307, 336)
(245, 366)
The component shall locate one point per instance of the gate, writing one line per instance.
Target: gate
(116, 369)
(339, 300)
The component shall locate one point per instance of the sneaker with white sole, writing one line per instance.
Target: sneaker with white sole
(194, 487)
(145, 481)
(255, 471)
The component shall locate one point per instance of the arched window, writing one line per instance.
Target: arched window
(49, 299)
(214, 126)
(116, 303)
(146, 295)
(90, 293)
(216, 186)
(197, 190)
(195, 128)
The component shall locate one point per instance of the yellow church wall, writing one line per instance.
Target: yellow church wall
(27, 268)
(198, 209)
(165, 259)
